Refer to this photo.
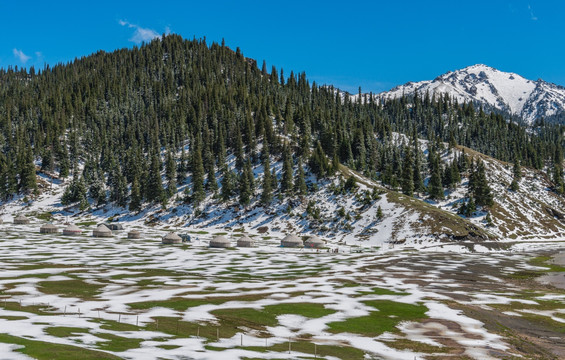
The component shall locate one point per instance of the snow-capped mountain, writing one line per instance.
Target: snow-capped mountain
(504, 91)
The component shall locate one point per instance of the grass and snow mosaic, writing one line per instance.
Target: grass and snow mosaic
(137, 299)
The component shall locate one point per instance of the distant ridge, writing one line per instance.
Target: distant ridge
(509, 92)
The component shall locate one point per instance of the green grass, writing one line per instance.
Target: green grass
(309, 310)
(381, 291)
(41, 309)
(11, 317)
(41, 350)
(46, 216)
(64, 331)
(543, 262)
(115, 326)
(389, 314)
(340, 352)
(181, 304)
(86, 223)
(70, 288)
(117, 343)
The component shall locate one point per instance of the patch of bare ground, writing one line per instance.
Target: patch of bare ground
(527, 338)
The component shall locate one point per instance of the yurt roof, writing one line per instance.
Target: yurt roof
(172, 236)
(102, 228)
(21, 217)
(134, 232)
(245, 238)
(220, 239)
(72, 227)
(315, 239)
(292, 238)
(48, 226)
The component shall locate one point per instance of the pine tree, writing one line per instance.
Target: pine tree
(228, 184)
(407, 182)
(154, 187)
(300, 182)
(435, 188)
(267, 194)
(171, 175)
(135, 202)
(28, 181)
(379, 213)
(480, 188)
(197, 168)
(245, 192)
(418, 180)
(287, 174)
(516, 175)
(558, 183)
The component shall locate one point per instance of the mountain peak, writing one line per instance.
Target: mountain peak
(492, 88)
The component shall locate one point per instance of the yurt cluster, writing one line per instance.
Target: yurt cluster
(109, 230)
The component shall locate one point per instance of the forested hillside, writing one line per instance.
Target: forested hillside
(177, 121)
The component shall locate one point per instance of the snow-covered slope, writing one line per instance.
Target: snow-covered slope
(504, 91)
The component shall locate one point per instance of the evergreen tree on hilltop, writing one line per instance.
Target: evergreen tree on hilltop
(117, 109)
(408, 173)
(27, 172)
(197, 168)
(300, 183)
(267, 194)
(479, 186)
(287, 173)
(171, 175)
(516, 175)
(154, 186)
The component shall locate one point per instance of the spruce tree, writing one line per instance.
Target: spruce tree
(300, 182)
(228, 184)
(135, 202)
(267, 194)
(28, 181)
(245, 192)
(287, 173)
(435, 189)
(407, 182)
(197, 168)
(171, 174)
(154, 187)
(480, 188)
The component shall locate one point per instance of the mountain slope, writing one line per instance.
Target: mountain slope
(507, 92)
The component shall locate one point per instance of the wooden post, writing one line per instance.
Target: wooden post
(78, 312)
(137, 320)
(119, 318)
(241, 339)
(198, 332)
(289, 344)
(218, 334)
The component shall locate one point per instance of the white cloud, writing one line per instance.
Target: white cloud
(23, 58)
(532, 16)
(140, 34)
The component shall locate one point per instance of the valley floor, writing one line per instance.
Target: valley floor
(90, 298)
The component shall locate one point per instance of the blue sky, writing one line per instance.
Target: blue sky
(372, 44)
